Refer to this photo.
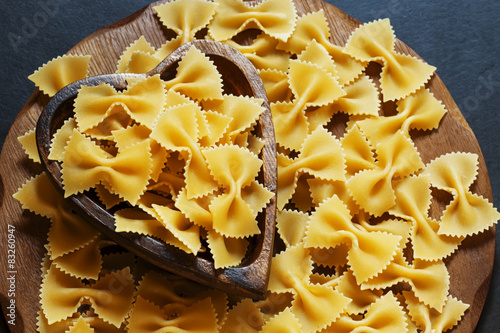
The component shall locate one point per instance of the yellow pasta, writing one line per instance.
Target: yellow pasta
(147, 317)
(233, 214)
(428, 320)
(428, 280)
(468, 213)
(285, 322)
(274, 17)
(372, 188)
(60, 139)
(314, 27)
(319, 157)
(130, 61)
(68, 231)
(226, 251)
(176, 130)
(330, 225)
(314, 306)
(178, 16)
(291, 226)
(290, 122)
(420, 111)
(245, 316)
(142, 101)
(59, 72)
(385, 315)
(197, 77)
(361, 299)
(276, 85)
(243, 113)
(61, 295)
(177, 159)
(85, 165)
(402, 74)
(28, 141)
(263, 54)
(413, 200)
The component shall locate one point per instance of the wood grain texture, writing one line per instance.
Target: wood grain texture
(470, 267)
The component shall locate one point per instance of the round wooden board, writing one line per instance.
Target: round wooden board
(470, 267)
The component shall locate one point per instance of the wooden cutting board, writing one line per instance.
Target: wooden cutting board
(470, 267)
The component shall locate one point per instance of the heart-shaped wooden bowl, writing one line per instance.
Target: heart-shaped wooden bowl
(240, 78)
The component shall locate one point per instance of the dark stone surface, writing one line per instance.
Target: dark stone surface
(460, 38)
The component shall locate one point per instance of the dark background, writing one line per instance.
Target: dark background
(461, 38)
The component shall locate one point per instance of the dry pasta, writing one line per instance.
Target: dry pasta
(356, 248)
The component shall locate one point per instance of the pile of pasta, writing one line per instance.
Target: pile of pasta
(357, 247)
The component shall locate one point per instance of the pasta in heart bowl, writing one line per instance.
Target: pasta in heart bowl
(125, 148)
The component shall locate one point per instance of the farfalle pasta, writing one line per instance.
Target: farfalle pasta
(59, 72)
(356, 246)
(313, 26)
(330, 225)
(275, 17)
(467, 213)
(401, 74)
(290, 121)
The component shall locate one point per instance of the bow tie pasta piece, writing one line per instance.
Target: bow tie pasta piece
(290, 121)
(148, 317)
(361, 300)
(467, 214)
(372, 188)
(77, 324)
(242, 111)
(291, 226)
(245, 316)
(428, 280)
(197, 77)
(321, 156)
(167, 291)
(85, 165)
(138, 57)
(276, 85)
(178, 16)
(421, 111)
(385, 315)
(60, 139)
(361, 99)
(59, 72)
(358, 152)
(142, 101)
(274, 17)
(176, 130)
(330, 225)
(235, 169)
(28, 141)
(61, 295)
(263, 54)
(284, 322)
(402, 74)
(80, 326)
(68, 231)
(226, 251)
(71, 262)
(315, 306)
(428, 319)
(127, 137)
(413, 200)
(313, 27)
(178, 232)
